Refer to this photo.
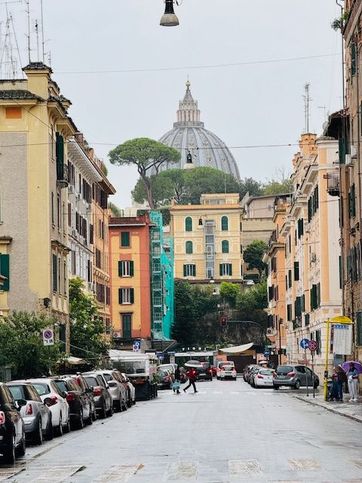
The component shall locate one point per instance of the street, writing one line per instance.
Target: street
(227, 432)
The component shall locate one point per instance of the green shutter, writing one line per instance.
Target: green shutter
(5, 271)
(225, 246)
(224, 223)
(59, 155)
(296, 270)
(220, 269)
(342, 151)
(132, 295)
(131, 268)
(188, 224)
(230, 269)
(120, 299)
(353, 51)
(359, 328)
(189, 248)
(125, 239)
(120, 272)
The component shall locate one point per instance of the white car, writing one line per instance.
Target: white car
(131, 388)
(58, 405)
(263, 378)
(225, 370)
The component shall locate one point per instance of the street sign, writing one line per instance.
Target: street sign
(48, 337)
(136, 346)
(304, 343)
(313, 345)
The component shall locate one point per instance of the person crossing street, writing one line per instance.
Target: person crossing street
(192, 376)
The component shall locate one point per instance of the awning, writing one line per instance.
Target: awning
(237, 348)
(73, 361)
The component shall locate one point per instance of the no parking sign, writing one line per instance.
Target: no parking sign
(48, 337)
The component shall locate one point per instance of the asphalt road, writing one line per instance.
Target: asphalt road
(228, 432)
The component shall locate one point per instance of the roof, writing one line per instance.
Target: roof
(20, 94)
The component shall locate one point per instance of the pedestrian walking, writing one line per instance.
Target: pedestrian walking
(334, 388)
(352, 376)
(176, 381)
(192, 375)
(341, 380)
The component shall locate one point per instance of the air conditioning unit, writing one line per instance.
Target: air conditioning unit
(348, 159)
(353, 151)
(271, 331)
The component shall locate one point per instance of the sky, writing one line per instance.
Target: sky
(125, 74)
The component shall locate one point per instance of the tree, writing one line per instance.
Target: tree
(253, 255)
(251, 303)
(115, 210)
(87, 339)
(280, 184)
(229, 292)
(147, 155)
(251, 186)
(22, 345)
(185, 186)
(182, 329)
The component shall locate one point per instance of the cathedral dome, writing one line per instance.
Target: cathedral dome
(190, 136)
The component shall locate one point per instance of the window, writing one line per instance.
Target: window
(98, 258)
(59, 218)
(289, 312)
(100, 293)
(224, 223)
(188, 223)
(353, 51)
(225, 246)
(52, 202)
(189, 247)
(126, 325)
(189, 270)
(289, 278)
(352, 201)
(69, 215)
(126, 296)
(125, 239)
(296, 270)
(125, 268)
(59, 155)
(226, 269)
(5, 271)
(55, 273)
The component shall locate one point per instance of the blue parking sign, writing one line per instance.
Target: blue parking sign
(304, 343)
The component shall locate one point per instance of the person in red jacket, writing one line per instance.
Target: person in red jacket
(192, 375)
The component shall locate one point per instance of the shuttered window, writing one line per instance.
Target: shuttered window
(189, 247)
(296, 271)
(55, 273)
(224, 223)
(125, 268)
(189, 270)
(126, 296)
(5, 272)
(225, 246)
(125, 239)
(226, 269)
(188, 223)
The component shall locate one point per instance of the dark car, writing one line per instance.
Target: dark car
(12, 431)
(203, 369)
(102, 398)
(36, 414)
(294, 376)
(80, 408)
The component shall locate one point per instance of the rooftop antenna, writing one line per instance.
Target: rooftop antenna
(28, 36)
(307, 101)
(36, 28)
(8, 61)
(42, 30)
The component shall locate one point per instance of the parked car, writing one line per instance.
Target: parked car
(251, 374)
(170, 367)
(102, 397)
(118, 389)
(294, 376)
(57, 403)
(226, 370)
(35, 413)
(203, 369)
(164, 378)
(247, 370)
(12, 428)
(80, 407)
(131, 388)
(263, 377)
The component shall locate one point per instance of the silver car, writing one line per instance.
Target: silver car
(294, 376)
(36, 415)
(117, 388)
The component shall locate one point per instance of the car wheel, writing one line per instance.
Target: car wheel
(275, 387)
(80, 420)
(110, 411)
(316, 384)
(49, 435)
(38, 434)
(297, 384)
(9, 452)
(20, 450)
(60, 429)
(103, 412)
(67, 428)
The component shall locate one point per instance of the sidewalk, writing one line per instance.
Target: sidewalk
(347, 409)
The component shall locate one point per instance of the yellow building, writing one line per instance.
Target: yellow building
(207, 239)
(34, 128)
(275, 258)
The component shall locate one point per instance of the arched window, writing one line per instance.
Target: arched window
(189, 248)
(224, 223)
(188, 223)
(225, 246)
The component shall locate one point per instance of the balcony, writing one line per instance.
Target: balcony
(333, 185)
(62, 175)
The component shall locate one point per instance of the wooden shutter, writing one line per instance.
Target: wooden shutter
(5, 271)
(132, 295)
(120, 271)
(120, 296)
(131, 268)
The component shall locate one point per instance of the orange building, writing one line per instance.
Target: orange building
(129, 247)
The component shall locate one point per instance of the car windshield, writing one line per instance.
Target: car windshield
(284, 369)
(107, 377)
(131, 367)
(17, 392)
(61, 386)
(266, 372)
(41, 388)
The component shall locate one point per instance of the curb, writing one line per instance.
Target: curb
(332, 410)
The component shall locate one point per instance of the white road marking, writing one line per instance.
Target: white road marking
(303, 464)
(119, 473)
(55, 474)
(244, 467)
(183, 470)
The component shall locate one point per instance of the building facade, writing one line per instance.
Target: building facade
(34, 129)
(312, 251)
(129, 248)
(207, 239)
(351, 172)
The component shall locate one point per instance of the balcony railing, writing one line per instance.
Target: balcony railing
(333, 185)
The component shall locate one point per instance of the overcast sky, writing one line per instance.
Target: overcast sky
(251, 104)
